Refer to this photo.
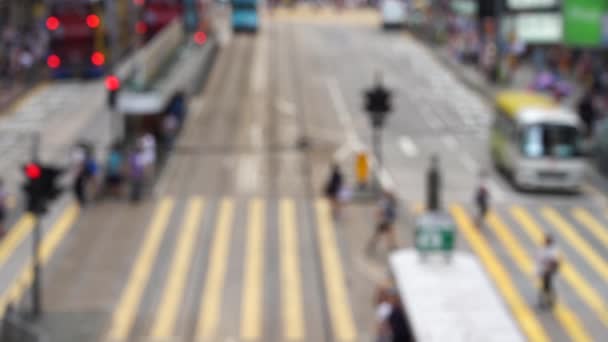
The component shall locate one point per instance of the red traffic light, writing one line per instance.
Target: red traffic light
(53, 61)
(200, 38)
(93, 21)
(112, 83)
(32, 171)
(52, 23)
(98, 58)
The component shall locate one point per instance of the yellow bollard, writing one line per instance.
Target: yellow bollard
(362, 169)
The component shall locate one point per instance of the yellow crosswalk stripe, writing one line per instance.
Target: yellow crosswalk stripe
(336, 291)
(124, 315)
(253, 285)
(569, 321)
(581, 286)
(582, 247)
(216, 274)
(49, 244)
(15, 237)
(168, 308)
(598, 230)
(291, 288)
(520, 309)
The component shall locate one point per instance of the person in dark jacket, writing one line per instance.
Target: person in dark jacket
(586, 112)
(333, 187)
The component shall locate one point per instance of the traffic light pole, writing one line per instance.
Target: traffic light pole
(377, 146)
(37, 272)
(36, 269)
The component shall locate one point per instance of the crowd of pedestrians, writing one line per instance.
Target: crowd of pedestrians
(20, 54)
(126, 172)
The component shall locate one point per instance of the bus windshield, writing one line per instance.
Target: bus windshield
(550, 140)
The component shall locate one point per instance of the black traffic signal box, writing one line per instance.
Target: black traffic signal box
(40, 187)
(378, 100)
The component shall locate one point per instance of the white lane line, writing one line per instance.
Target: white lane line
(247, 173)
(450, 142)
(346, 120)
(469, 163)
(259, 77)
(286, 107)
(408, 147)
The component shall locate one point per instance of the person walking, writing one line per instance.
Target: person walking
(482, 200)
(114, 171)
(387, 215)
(332, 189)
(548, 265)
(136, 173)
(586, 112)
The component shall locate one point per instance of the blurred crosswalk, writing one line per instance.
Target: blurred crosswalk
(209, 269)
(507, 245)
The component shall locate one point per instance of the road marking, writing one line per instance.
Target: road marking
(216, 274)
(469, 163)
(520, 309)
(259, 77)
(450, 142)
(341, 110)
(253, 284)
(580, 285)
(50, 242)
(592, 225)
(582, 247)
(568, 320)
(168, 309)
(407, 146)
(291, 288)
(247, 174)
(15, 237)
(336, 291)
(286, 107)
(124, 316)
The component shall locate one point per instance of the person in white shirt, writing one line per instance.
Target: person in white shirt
(548, 265)
(148, 145)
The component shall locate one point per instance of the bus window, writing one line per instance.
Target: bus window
(550, 141)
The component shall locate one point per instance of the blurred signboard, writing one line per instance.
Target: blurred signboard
(539, 28)
(584, 22)
(517, 5)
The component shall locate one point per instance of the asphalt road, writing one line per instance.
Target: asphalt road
(234, 242)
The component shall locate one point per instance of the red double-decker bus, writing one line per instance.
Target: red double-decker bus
(77, 45)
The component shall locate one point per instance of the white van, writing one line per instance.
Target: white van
(537, 142)
(393, 13)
